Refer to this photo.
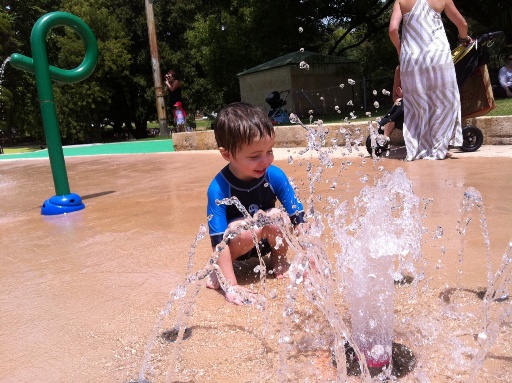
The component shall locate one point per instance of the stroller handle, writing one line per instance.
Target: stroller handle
(489, 36)
(285, 91)
(459, 52)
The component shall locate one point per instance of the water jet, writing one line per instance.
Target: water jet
(367, 256)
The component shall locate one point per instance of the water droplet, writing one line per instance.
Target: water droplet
(180, 292)
(482, 336)
(377, 351)
(279, 242)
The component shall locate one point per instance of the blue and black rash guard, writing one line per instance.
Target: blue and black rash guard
(258, 194)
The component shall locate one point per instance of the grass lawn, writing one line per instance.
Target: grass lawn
(21, 149)
(200, 124)
(503, 108)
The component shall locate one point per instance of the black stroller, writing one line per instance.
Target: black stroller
(278, 114)
(473, 79)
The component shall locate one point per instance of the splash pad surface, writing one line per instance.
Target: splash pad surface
(81, 293)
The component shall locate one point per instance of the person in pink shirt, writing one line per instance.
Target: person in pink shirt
(180, 117)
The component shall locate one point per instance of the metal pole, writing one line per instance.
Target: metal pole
(155, 64)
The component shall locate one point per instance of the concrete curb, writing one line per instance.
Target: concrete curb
(497, 131)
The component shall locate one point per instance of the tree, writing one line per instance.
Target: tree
(173, 20)
(10, 44)
(112, 94)
(18, 87)
(207, 42)
(237, 35)
(116, 91)
(363, 18)
(488, 16)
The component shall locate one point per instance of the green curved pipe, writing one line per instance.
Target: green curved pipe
(44, 72)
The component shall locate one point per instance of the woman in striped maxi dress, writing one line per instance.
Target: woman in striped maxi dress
(432, 118)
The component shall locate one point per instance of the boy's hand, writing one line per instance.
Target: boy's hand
(242, 296)
(302, 228)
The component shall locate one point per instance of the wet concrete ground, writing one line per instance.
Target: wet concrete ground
(81, 293)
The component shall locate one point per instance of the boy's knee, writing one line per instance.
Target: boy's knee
(270, 232)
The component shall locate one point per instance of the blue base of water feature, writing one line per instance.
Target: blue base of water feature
(61, 204)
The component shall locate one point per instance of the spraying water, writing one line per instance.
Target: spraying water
(2, 70)
(386, 227)
(343, 301)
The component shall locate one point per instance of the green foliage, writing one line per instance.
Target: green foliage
(487, 15)
(228, 40)
(207, 42)
(19, 105)
(9, 42)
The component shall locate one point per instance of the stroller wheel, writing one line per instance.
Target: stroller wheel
(378, 149)
(472, 138)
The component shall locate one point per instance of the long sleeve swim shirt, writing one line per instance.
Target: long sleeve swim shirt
(258, 194)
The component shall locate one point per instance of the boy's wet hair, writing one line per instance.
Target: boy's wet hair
(241, 123)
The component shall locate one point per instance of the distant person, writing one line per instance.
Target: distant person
(173, 88)
(505, 78)
(432, 118)
(395, 116)
(180, 117)
(245, 137)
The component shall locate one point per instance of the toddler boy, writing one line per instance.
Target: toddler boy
(245, 137)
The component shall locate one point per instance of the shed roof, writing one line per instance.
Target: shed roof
(295, 58)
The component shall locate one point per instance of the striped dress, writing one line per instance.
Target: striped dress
(432, 118)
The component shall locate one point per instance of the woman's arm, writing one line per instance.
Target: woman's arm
(172, 86)
(394, 25)
(397, 85)
(455, 17)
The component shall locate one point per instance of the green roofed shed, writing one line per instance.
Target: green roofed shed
(315, 86)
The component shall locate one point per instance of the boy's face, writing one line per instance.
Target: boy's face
(252, 160)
